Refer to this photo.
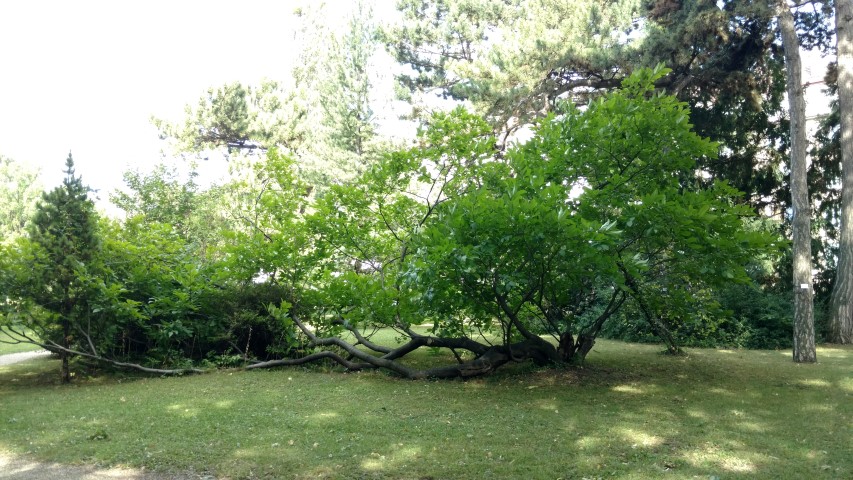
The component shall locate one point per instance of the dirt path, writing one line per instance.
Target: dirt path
(15, 468)
(11, 358)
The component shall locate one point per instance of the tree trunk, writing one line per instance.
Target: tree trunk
(841, 305)
(65, 371)
(804, 343)
(651, 317)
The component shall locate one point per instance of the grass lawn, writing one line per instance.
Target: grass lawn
(629, 413)
(15, 347)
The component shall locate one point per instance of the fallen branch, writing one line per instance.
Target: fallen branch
(487, 361)
(289, 362)
(56, 348)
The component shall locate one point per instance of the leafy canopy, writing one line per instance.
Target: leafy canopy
(602, 208)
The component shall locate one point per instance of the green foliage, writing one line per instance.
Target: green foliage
(597, 202)
(764, 317)
(19, 191)
(368, 226)
(198, 216)
(455, 29)
(152, 298)
(271, 239)
(236, 117)
(64, 229)
(604, 208)
(256, 322)
(64, 247)
(20, 314)
(157, 303)
(514, 61)
(184, 308)
(322, 115)
(600, 206)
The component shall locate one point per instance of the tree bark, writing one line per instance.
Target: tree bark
(841, 304)
(65, 369)
(804, 343)
(651, 317)
(65, 353)
(489, 358)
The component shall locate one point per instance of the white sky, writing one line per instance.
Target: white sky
(85, 76)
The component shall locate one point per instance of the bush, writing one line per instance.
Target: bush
(250, 329)
(765, 318)
(747, 317)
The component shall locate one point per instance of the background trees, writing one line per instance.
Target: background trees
(19, 191)
(199, 215)
(514, 60)
(323, 115)
(593, 195)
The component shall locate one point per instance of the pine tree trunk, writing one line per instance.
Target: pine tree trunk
(804, 343)
(841, 305)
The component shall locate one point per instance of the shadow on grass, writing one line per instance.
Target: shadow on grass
(629, 413)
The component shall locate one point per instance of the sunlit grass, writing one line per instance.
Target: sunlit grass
(14, 347)
(630, 412)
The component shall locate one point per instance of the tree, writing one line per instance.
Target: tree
(335, 72)
(144, 298)
(321, 116)
(199, 216)
(554, 237)
(514, 60)
(841, 306)
(804, 346)
(64, 230)
(733, 76)
(271, 240)
(237, 118)
(19, 191)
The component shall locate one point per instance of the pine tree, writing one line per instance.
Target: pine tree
(63, 228)
(804, 336)
(841, 309)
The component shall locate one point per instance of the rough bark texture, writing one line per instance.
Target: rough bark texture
(65, 369)
(487, 360)
(657, 326)
(804, 343)
(841, 306)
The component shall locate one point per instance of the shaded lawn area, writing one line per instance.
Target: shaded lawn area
(628, 413)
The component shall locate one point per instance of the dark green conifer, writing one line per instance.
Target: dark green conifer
(64, 228)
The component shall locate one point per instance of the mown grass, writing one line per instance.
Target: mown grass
(15, 347)
(629, 413)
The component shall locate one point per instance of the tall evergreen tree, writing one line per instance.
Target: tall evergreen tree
(841, 309)
(322, 115)
(804, 341)
(64, 228)
(513, 60)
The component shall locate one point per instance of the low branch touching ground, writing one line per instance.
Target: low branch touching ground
(488, 359)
